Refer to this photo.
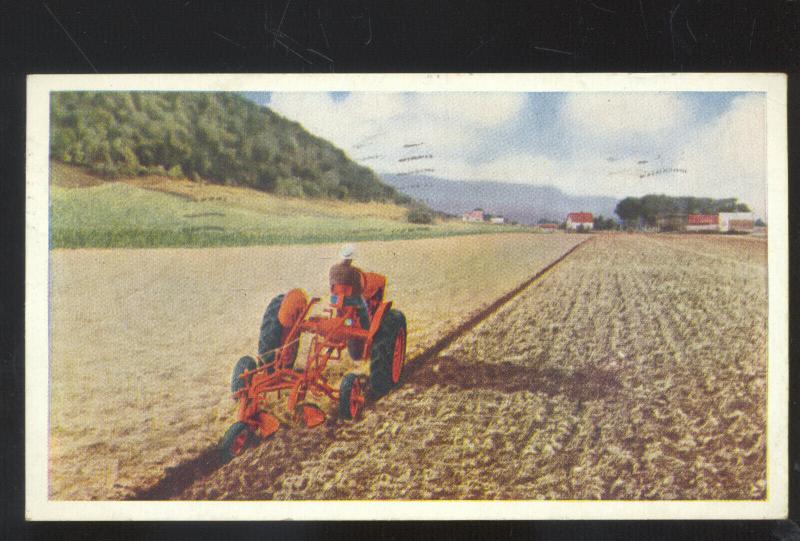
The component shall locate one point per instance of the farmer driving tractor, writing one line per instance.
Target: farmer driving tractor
(344, 276)
(359, 319)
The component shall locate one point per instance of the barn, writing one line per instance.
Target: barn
(702, 222)
(737, 221)
(580, 220)
(473, 216)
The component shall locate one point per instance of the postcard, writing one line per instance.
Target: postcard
(430, 296)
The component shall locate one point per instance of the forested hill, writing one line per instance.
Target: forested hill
(218, 137)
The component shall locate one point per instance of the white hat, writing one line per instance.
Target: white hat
(348, 251)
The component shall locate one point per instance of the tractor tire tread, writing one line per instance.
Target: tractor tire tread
(242, 365)
(227, 440)
(271, 332)
(344, 396)
(380, 367)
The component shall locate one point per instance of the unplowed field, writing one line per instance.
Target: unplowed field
(143, 341)
(635, 369)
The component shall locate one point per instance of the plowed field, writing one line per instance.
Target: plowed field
(143, 341)
(635, 369)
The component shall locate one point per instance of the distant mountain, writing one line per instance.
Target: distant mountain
(524, 203)
(220, 137)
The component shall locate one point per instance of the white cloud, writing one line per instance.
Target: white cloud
(728, 156)
(518, 167)
(344, 122)
(378, 125)
(466, 134)
(725, 157)
(483, 109)
(614, 114)
(586, 176)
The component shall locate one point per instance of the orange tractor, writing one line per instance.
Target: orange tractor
(287, 317)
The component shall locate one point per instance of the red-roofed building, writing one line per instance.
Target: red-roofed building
(580, 220)
(702, 222)
(476, 215)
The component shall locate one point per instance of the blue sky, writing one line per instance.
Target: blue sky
(708, 144)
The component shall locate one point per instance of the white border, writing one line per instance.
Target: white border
(37, 505)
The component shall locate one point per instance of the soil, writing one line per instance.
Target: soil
(633, 370)
(143, 342)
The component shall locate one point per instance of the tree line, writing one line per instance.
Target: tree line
(635, 211)
(212, 136)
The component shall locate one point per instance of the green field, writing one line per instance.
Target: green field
(118, 214)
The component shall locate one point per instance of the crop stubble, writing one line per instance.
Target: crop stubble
(636, 369)
(143, 341)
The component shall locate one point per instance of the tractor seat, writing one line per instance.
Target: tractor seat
(338, 294)
(341, 294)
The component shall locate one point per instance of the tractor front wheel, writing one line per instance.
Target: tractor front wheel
(351, 397)
(234, 441)
(245, 364)
(388, 353)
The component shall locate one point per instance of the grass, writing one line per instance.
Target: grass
(157, 212)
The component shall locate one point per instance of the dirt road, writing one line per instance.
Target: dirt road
(635, 369)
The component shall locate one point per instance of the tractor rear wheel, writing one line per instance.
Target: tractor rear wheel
(243, 365)
(270, 336)
(234, 441)
(388, 353)
(351, 397)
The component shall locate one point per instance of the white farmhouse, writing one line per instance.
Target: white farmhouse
(736, 221)
(580, 220)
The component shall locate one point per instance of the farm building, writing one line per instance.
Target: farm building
(473, 216)
(580, 220)
(548, 228)
(671, 222)
(702, 222)
(498, 220)
(736, 221)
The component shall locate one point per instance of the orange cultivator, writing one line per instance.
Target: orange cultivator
(337, 328)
